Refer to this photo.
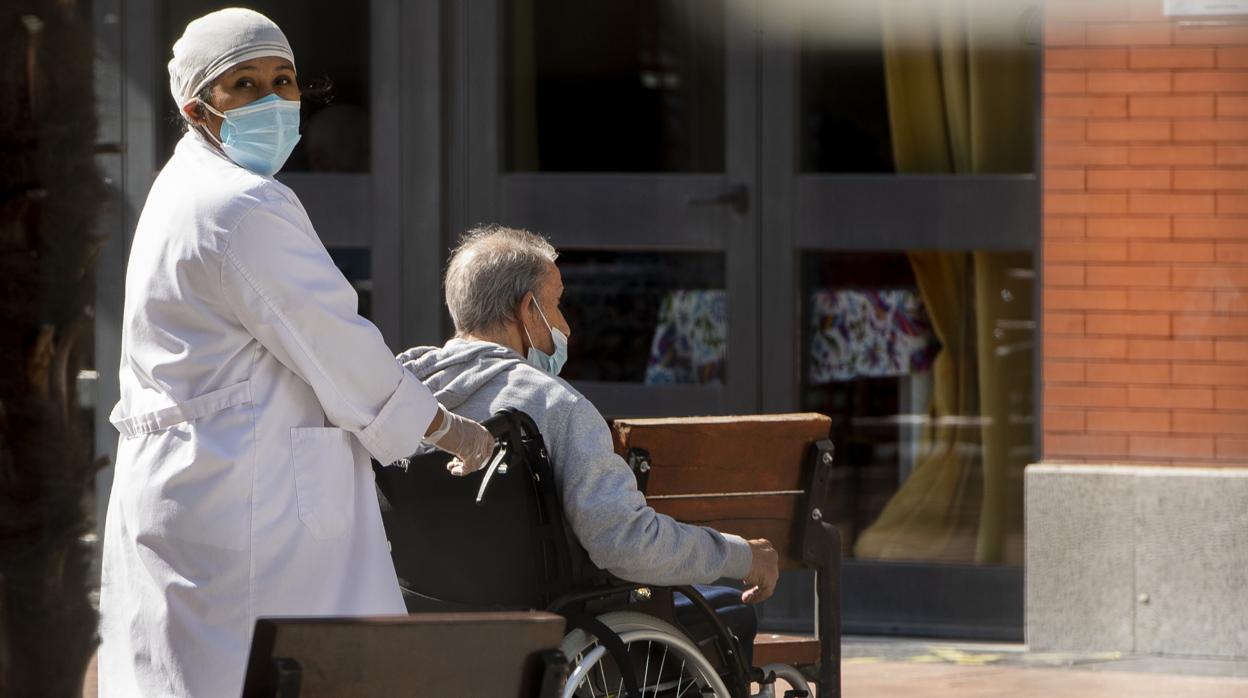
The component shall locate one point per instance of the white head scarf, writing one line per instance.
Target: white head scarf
(217, 42)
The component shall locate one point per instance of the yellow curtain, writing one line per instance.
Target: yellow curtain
(960, 86)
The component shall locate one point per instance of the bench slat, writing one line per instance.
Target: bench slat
(779, 648)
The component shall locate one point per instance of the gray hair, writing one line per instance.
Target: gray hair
(490, 272)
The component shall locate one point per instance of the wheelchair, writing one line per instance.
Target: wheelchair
(497, 540)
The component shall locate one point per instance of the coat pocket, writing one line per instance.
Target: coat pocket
(324, 479)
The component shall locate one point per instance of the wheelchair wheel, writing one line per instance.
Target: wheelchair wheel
(665, 661)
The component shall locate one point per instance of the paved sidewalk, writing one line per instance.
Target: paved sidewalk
(881, 668)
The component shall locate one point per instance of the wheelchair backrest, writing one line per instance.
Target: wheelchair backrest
(459, 546)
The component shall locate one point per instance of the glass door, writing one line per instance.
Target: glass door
(626, 132)
(901, 209)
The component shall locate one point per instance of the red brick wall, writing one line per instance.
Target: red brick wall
(1145, 251)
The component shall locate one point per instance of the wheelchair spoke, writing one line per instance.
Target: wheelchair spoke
(646, 674)
(662, 662)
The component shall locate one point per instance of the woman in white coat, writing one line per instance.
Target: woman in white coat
(252, 395)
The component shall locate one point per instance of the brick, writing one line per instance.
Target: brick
(1063, 275)
(1107, 107)
(1085, 396)
(1170, 397)
(1231, 350)
(1085, 445)
(1210, 423)
(1232, 57)
(1128, 227)
(1128, 34)
(1230, 302)
(1169, 155)
(1128, 325)
(1211, 130)
(1147, 106)
(1127, 275)
(1171, 203)
(1173, 349)
(1230, 35)
(1209, 277)
(1128, 373)
(1232, 105)
(1231, 204)
(1231, 447)
(1084, 11)
(1064, 130)
(1067, 323)
(1055, 203)
(1212, 81)
(1146, 11)
(1231, 398)
(1063, 372)
(1213, 375)
(1223, 179)
(1092, 59)
(1127, 82)
(1064, 179)
(1084, 299)
(1157, 446)
(1127, 421)
(1122, 131)
(1063, 420)
(1079, 348)
(1145, 251)
(1063, 226)
(1143, 299)
(1131, 178)
(1057, 154)
(1143, 58)
(1208, 325)
(1065, 82)
(1211, 228)
(1077, 251)
(1065, 34)
(1231, 154)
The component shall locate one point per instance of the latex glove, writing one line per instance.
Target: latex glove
(764, 572)
(468, 441)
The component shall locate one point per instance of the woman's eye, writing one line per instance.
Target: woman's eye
(245, 82)
(282, 81)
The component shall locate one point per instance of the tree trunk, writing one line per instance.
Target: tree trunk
(50, 192)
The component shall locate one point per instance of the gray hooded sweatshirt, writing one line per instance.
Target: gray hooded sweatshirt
(608, 514)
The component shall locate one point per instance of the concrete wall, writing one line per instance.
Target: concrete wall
(1150, 560)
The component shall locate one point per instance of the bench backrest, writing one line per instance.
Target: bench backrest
(750, 475)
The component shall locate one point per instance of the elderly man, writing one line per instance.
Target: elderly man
(503, 291)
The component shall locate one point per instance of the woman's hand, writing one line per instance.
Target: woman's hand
(468, 441)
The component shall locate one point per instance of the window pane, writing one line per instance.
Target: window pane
(614, 86)
(900, 87)
(333, 75)
(924, 361)
(657, 318)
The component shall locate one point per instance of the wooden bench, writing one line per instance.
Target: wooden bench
(761, 476)
(430, 655)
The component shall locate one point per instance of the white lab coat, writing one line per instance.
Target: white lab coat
(252, 395)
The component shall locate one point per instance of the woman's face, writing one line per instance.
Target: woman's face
(244, 84)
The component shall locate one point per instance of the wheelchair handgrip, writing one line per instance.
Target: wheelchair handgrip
(499, 424)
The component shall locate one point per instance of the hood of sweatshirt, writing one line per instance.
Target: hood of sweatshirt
(457, 370)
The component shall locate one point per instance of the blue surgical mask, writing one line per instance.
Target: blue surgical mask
(261, 135)
(539, 358)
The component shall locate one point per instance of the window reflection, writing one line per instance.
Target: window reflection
(334, 76)
(658, 318)
(614, 86)
(924, 362)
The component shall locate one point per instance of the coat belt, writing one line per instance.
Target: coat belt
(195, 408)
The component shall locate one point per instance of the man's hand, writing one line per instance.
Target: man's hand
(468, 441)
(764, 571)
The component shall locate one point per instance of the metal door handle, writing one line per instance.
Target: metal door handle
(736, 197)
